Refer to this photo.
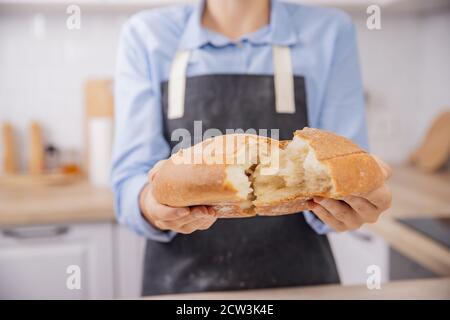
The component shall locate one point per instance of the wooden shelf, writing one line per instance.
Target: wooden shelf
(77, 202)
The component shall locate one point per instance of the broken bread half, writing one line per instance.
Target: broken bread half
(243, 175)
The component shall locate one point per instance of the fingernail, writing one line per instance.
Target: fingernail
(211, 211)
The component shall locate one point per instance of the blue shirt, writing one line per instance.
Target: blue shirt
(323, 49)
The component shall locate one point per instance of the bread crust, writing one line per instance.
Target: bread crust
(233, 210)
(356, 173)
(326, 144)
(351, 169)
(286, 206)
(180, 184)
(173, 185)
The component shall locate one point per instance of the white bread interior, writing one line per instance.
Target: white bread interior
(284, 174)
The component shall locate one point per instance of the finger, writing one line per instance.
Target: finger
(197, 225)
(166, 213)
(207, 223)
(176, 225)
(381, 198)
(211, 211)
(202, 211)
(327, 218)
(385, 168)
(197, 213)
(364, 208)
(341, 211)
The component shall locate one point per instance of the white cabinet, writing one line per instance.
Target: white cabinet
(34, 261)
(129, 262)
(355, 251)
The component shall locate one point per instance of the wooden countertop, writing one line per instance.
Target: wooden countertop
(417, 195)
(418, 247)
(76, 202)
(410, 289)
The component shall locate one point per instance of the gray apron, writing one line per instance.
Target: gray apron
(248, 253)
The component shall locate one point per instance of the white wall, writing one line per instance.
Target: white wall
(434, 84)
(42, 73)
(389, 60)
(405, 68)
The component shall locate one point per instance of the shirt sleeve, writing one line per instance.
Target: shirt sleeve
(138, 139)
(342, 110)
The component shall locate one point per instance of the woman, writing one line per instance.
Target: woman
(234, 64)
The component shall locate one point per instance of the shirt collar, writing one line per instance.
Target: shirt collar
(278, 32)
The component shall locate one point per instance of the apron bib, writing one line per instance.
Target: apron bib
(247, 253)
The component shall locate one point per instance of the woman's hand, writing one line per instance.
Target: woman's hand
(353, 211)
(182, 220)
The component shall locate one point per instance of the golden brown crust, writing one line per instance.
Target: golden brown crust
(352, 171)
(327, 144)
(286, 206)
(232, 211)
(179, 183)
(354, 174)
(174, 185)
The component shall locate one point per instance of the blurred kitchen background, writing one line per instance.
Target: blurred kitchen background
(55, 92)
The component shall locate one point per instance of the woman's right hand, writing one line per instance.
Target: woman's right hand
(182, 220)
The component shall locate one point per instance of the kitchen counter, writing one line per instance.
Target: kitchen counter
(419, 195)
(416, 195)
(411, 289)
(418, 247)
(77, 202)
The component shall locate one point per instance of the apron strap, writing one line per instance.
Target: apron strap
(177, 85)
(283, 80)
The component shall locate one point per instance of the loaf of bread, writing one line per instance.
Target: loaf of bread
(243, 175)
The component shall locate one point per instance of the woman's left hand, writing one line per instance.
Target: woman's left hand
(353, 211)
